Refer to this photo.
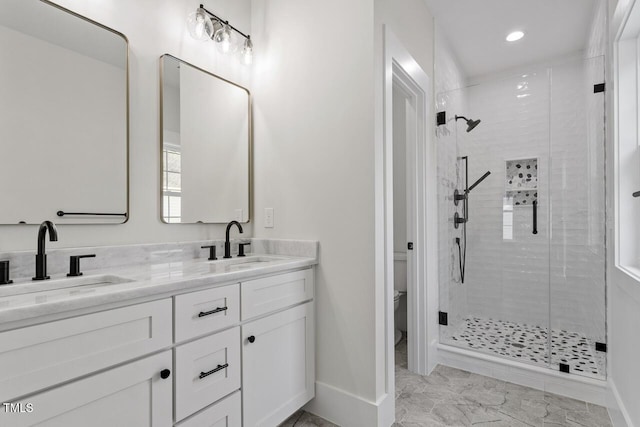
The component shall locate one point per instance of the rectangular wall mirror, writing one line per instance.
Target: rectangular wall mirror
(63, 117)
(206, 146)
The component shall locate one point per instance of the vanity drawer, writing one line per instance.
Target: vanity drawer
(261, 296)
(199, 313)
(226, 413)
(206, 370)
(40, 356)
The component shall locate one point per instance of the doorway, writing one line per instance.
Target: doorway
(414, 165)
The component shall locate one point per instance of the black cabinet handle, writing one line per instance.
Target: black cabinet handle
(636, 194)
(217, 310)
(164, 374)
(535, 217)
(213, 371)
(252, 339)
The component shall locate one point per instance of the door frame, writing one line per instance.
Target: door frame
(422, 274)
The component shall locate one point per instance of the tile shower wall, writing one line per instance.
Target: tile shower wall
(507, 274)
(449, 79)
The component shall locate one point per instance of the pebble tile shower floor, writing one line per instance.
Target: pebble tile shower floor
(529, 344)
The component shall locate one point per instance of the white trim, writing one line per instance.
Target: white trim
(576, 387)
(617, 411)
(346, 409)
(422, 285)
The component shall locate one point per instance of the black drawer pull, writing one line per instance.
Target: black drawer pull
(535, 217)
(213, 371)
(636, 194)
(164, 374)
(217, 310)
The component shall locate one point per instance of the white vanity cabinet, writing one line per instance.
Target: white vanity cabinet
(232, 355)
(278, 365)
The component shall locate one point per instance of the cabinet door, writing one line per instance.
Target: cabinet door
(131, 395)
(278, 365)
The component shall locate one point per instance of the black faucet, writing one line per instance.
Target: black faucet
(41, 257)
(227, 244)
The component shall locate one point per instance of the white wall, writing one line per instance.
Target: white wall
(313, 117)
(623, 296)
(314, 124)
(153, 28)
(399, 170)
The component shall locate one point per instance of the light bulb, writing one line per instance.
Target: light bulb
(223, 39)
(199, 25)
(514, 36)
(247, 51)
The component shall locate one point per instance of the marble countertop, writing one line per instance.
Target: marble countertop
(26, 299)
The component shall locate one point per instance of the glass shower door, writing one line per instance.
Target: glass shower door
(502, 308)
(532, 248)
(577, 275)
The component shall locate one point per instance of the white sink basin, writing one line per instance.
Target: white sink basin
(63, 286)
(243, 263)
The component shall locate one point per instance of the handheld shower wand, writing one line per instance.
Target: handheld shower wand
(458, 220)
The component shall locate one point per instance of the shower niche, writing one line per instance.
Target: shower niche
(521, 181)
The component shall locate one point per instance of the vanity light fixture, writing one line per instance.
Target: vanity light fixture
(204, 25)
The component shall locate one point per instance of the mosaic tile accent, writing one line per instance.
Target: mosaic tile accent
(529, 344)
(522, 198)
(521, 181)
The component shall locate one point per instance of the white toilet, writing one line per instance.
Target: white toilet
(400, 288)
(397, 335)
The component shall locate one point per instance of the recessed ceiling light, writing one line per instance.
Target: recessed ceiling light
(515, 36)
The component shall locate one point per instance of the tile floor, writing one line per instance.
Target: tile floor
(451, 397)
(529, 344)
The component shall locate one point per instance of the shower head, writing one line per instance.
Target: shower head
(471, 124)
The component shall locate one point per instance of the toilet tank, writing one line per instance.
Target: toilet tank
(400, 271)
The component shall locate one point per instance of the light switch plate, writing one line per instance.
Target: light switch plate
(268, 217)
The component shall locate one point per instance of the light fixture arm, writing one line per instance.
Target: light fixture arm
(222, 21)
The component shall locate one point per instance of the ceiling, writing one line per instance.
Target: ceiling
(476, 30)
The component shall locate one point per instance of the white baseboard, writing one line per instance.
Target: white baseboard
(581, 388)
(617, 411)
(348, 410)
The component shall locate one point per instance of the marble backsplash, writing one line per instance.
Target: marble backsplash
(22, 264)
